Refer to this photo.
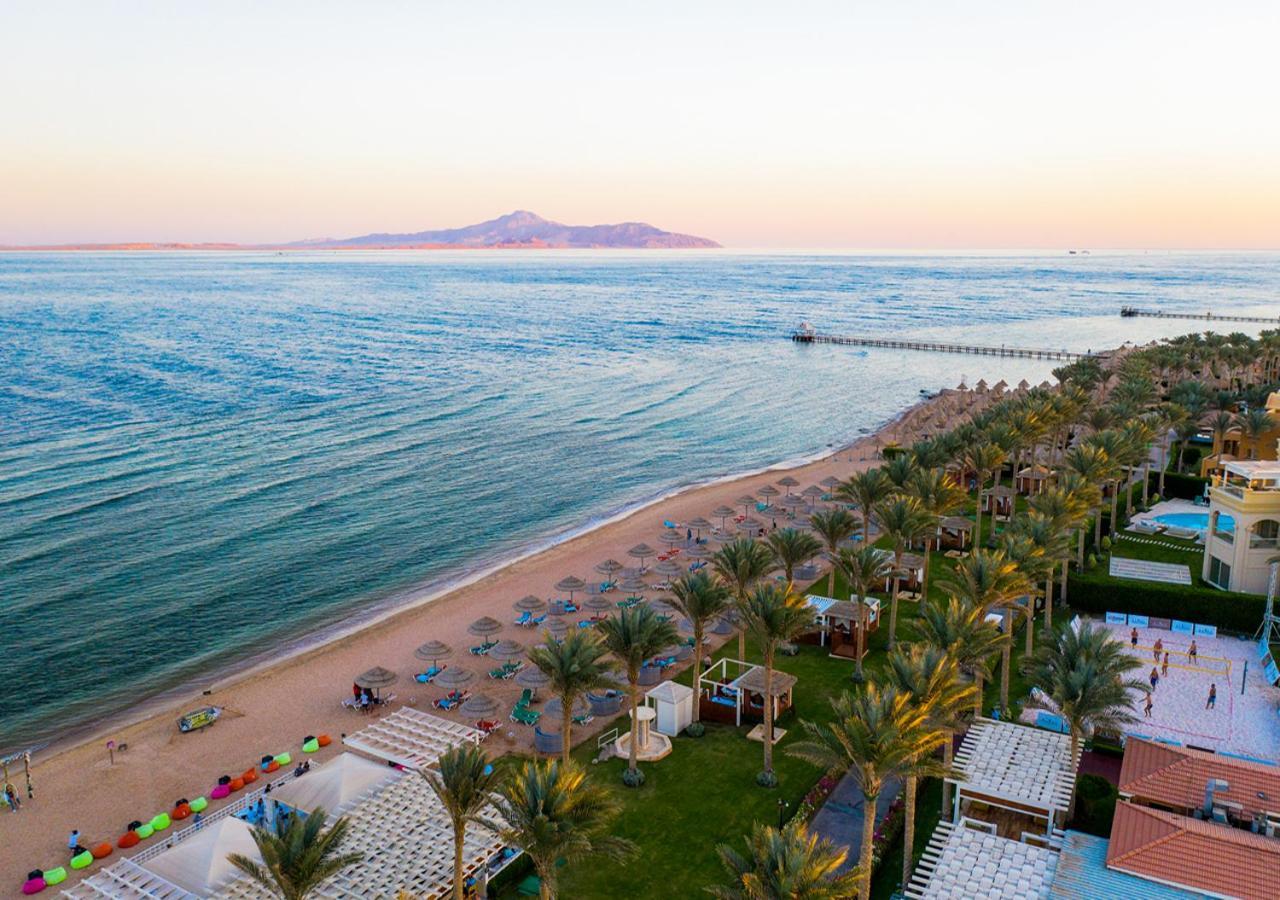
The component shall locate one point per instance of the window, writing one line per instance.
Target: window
(1220, 529)
(1264, 534)
(1219, 573)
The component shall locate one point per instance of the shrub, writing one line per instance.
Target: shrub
(1095, 805)
(1185, 487)
(1098, 593)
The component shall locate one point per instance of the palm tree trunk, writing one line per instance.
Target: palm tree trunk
(1006, 659)
(697, 671)
(1071, 804)
(1115, 508)
(977, 526)
(948, 752)
(860, 643)
(1048, 603)
(909, 826)
(924, 577)
(1097, 531)
(893, 609)
(977, 700)
(1062, 582)
(868, 843)
(459, 837)
(768, 710)
(1031, 624)
(566, 723)
(634, 679)
(1164, 463)
(1146, 481)
(546, 879)
(831, 578)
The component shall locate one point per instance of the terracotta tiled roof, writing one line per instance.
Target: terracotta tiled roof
(1176, 776)
(1173, 849)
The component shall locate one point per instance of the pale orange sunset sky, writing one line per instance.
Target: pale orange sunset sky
(860, 125)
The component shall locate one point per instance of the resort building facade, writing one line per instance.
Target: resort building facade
(1238, 444)
(1244, 525)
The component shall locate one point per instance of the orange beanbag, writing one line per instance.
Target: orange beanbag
(237, 784)
(324, 740)
(180, 812)
(128, 839)
(249, 776)
(274, 766)
(102, 851)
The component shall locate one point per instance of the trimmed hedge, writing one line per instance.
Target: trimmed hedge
(1184, 487)
(1095, 805)
(1100, 593)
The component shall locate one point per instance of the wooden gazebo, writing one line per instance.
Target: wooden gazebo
(1032, 480)
(954, 532)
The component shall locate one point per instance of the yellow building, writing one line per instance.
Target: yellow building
(1244, 525)
(1236, 445)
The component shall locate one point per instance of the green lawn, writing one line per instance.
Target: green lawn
(705, 793)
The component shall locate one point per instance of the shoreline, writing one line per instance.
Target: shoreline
(410, 598)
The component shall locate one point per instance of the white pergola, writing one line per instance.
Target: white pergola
(1015, 767)
(411, 738)
(969, 860)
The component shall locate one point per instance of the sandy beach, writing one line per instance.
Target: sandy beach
(271, 707)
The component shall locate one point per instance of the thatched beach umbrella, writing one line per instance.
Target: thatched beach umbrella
(377, 678)
(433, 651)
(480, 706)
(671, 537)
(668, 568)
(700, 525)
(484, 626)
(791, 502)
(725, 512)
(507, 649)
(812, 493)
(788, 482)
(571, 585)
(532, 677)
(830, 482)
(598, 602)
(634, 585)
(642, 552)
(555, 708)
(750, 525)
(747, 502)
(455, 677)
(699, 551)
(768, 491)
(557, 626)
(722, 537)
(530, 604)
(608, 567)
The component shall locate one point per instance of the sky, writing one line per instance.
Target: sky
(911, 125)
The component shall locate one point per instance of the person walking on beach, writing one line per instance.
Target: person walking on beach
(1157, 649)
(1212, 702)
(1164, 665)
(1133, 638)
(198, 821)
(1146, 710)
(1191, 653)
(1155, 677)
(11, 798)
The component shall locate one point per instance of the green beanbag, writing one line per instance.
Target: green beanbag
(55, 876)
(198, 804)
(311, 746)
(144, 830)
(81, 860)
(160, 822)
(284, 759)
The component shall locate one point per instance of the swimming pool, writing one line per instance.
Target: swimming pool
(1196, 521)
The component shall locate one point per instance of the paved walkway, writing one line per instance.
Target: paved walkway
(840, 818)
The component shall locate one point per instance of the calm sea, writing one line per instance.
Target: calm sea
(205, 456)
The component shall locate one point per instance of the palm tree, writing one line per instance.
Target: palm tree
(740, 564)
(1050, 538)
(932, 677)
(982, 459)
(700, 599)
(773, 616)
(864, 490)
(465, 784)
(862, 568)
(1115, 450)
(834, 526)
(905, 521)
(634, 635)
(878, 733)
(786, 864)
(940, 495)
(576, 664)
(1254, 425)
(1092, 467)
(552, 812)
(1084, 676)
(298, 856)
(965, 634)
(989, 581)
(792, 547)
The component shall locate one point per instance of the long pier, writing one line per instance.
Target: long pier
(1132, 312)
(803, 336)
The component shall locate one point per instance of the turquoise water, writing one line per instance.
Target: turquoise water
(1198, 521)
(205, 457)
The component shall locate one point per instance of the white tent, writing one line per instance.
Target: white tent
(673, 705)
(199, 864)
(337, 785)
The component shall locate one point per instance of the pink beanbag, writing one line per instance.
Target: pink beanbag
(220, 791)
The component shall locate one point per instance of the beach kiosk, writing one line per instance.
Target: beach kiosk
(672, 704)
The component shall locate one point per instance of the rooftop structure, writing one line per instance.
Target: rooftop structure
(1082, 874)
(1177, 850)
(411, 738)
(1015, 767)
(1176, 778)
(969, 860)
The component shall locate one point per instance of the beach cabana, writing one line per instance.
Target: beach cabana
(732, 692)
(954, 532)
(199, 864)
(910, 573)
(998, 500)
(838, 622)
(338, 785)
(1032, 480)
(1018, 776)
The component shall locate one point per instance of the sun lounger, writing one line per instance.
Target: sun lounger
(451, 700)
(487, 726)
(629, 602)
(606, 586)
(484, 648)
(506, 670)
(428, 676)
(1185, 534)
(522, 715)
(1142, 526)
(524, 618)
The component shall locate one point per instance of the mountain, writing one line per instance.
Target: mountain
(523, 229)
